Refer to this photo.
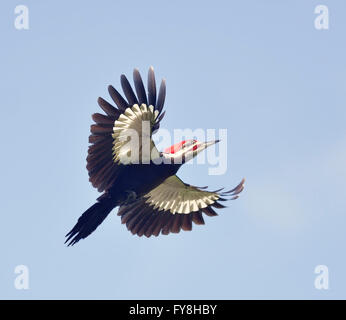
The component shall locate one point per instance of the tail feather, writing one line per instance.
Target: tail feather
(89, 221)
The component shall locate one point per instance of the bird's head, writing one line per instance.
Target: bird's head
(185, 150)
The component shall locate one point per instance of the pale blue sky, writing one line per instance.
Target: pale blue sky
(258, 68)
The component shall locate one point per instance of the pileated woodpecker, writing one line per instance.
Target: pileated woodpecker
(152, 199)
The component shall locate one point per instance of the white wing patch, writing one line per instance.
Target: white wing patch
(175, 196)
(132, 135)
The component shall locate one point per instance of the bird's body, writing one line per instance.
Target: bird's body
(140, 179)
(125, 165)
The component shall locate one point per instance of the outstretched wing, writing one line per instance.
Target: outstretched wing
(108, 134)
(172, 206)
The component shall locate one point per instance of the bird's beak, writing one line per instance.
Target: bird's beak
(201, 146)
(205, 145)
(210, 143)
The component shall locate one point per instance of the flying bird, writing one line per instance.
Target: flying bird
(137, 178)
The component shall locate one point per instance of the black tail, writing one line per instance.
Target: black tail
(90, 220)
